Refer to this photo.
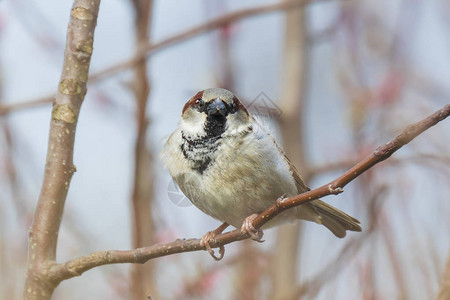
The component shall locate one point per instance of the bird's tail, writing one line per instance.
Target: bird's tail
(337, 221)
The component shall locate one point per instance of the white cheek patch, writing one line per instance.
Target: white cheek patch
(238, 123)
(192, 123)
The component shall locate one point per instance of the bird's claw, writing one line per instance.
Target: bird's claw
(205, 242)
(247, 227)
(281, 199)
(210, 235)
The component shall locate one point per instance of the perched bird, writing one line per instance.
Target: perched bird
(231, 169)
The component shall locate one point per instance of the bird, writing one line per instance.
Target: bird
(230, 168)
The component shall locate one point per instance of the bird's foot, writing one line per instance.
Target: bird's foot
(209, 236)
(247, 227)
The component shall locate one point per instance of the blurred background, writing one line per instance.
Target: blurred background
(332, 80)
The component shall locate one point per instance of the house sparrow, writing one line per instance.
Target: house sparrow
(232, 170)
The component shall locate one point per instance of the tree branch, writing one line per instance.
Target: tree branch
(285, 268)
(79, 265)
(143, 226)
(421, 158)
(444, 289)
(149, 48)
(59, 168)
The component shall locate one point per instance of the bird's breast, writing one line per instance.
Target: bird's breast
(200, 152)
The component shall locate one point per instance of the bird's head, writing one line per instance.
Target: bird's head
(215, 112)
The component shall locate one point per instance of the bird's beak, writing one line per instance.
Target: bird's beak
(216, 108)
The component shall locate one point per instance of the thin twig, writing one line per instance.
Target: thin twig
(141, 255)
(148, 48)
(421, 158)
(310, 288)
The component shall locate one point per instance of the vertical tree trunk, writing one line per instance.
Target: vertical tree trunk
(287, 252)
(59, 167)
(142, 282)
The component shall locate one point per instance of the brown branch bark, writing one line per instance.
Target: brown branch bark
(79, 265)
(142, 282)
(59, 168)
(422, 158)
(149, 48)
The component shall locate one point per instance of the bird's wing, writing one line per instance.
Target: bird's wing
(334, 219)
(262, 130)
(299, 183)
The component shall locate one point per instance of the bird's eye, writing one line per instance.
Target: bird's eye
(200, 103)
(233, 107)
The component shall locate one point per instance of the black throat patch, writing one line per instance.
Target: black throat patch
(215, 126)
(201, 150)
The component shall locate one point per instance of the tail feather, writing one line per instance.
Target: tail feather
(337, 221)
